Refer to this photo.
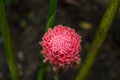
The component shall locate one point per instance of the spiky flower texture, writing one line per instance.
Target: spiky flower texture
(61, 46)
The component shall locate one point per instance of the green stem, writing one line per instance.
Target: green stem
(99, 39)
(42, 71)
(51, 19)
(51, 14)
(56, 77)
(8, 43)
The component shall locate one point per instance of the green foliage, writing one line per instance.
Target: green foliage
(8, 43)
(51, 14)
(99, 39)
(51, 19)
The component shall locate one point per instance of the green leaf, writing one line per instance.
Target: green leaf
(51, 14)
(8, 45)
(99, 39)
(49, 24)
(50, 21)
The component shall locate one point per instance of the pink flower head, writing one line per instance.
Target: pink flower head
(61, 46)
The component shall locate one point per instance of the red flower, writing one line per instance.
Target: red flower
(61, 46)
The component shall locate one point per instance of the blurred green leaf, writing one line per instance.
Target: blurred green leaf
(100, 36)
(51, 14)
(8, 45)
(50, 21)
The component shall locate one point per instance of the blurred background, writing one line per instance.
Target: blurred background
(27, 21)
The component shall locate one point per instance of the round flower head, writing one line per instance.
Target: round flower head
(61, 46)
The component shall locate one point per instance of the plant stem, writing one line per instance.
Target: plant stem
(51, 19)
(51, 14)
(56, 77)
(99, 39)
(8, 43)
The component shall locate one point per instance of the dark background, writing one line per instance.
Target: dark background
(27, 20)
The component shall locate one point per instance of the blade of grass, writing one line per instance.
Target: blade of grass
(51, 14)
(99, 39)
(50, 22)
(8, 43)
